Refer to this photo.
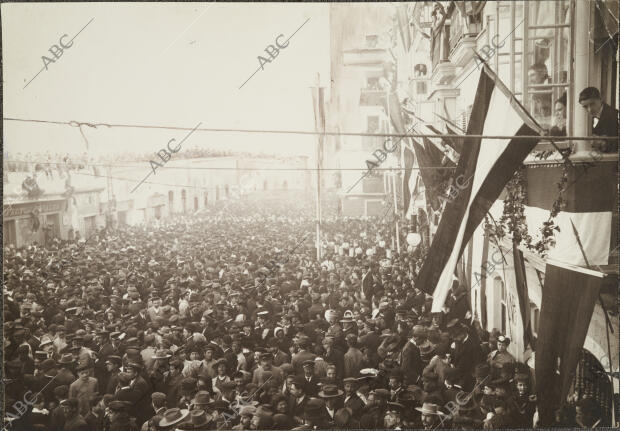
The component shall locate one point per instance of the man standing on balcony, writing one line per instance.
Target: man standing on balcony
(604, 117)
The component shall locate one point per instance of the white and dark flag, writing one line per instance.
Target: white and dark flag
(487, 165)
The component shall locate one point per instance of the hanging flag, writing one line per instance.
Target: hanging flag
(409, 175)
(524, 299)
(428, 174)
(404, 29)
(567, 304)
(449, 142)
(486, 166)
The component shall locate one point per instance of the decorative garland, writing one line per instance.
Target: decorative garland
(513, 218)
(513, 215)
(550, 227)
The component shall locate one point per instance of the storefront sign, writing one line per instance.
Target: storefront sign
(17, 210)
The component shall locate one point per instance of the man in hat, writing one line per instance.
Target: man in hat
(302, 355)
(139, 397)
(73, 420)
(310, 378)
(430, 416)
(266, 366)
(351, 400)
(65, 375)
(497, 358)
(299, 399)
(466, 352)
(395, 383)
(393, 416)
(84, 388)
(333, 401)
(411, 362)
(314, 416)
(113, 364)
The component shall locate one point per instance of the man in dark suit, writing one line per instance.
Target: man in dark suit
(411, 362)
(351, 399)
(604, 117)
(303, 355)
(298, 400)
(467, 353)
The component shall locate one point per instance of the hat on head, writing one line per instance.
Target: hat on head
(504, 340)
(173, 416)
(201, 398)
(113, 359)
(117, 406)
(330, 391)
(428, 409)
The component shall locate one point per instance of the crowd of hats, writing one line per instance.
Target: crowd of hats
(221, 313)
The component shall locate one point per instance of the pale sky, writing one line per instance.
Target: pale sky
(162, 63)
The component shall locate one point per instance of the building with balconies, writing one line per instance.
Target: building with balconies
(545, 52)
(360, 49)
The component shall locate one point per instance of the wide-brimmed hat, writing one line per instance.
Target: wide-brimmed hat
(428, 409)
(330, 391)
(173, 416)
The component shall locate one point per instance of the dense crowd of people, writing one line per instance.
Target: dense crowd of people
(56, 164)
(226, 320)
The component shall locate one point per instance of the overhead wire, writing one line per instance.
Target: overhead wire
(225, 168)
(307, 132)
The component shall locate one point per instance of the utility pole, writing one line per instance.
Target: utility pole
(318, 100)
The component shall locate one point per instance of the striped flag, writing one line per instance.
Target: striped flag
(568, 299)
(486, 165)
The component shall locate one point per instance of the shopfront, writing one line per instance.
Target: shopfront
(29, 222)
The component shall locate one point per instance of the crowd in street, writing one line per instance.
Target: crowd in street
(226, 320)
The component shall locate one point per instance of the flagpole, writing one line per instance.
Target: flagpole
(393, 176)
(319, 113)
